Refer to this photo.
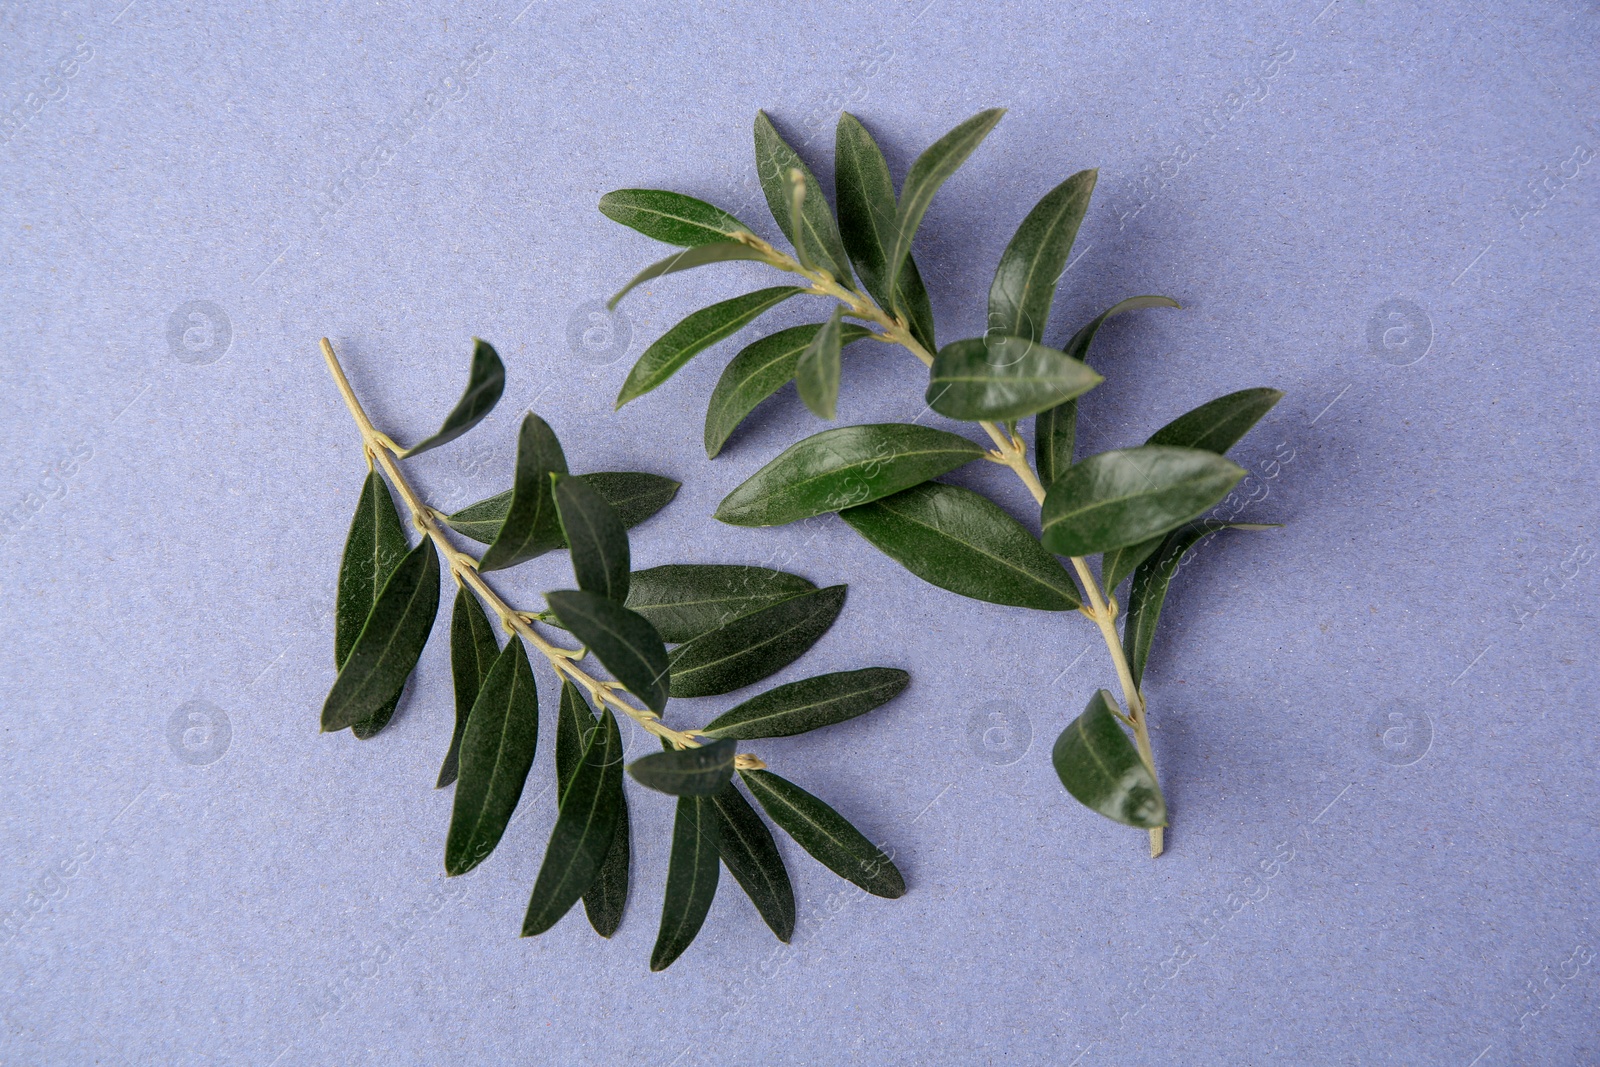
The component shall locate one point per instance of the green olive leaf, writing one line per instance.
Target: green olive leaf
(814, 230)
(1152, 579)
(586, 821)
(375, 546)
(486, 381)
(842, 468)
(386, 651)
(826, 834)
(686, 772)
(927, 174)
(961, 541)
(809, 704)
(998, 377)
(1128, 495)
(699, 256)
(817, 370)
(473, 650)
(685, 600)
(1219, 424)
(695, 334)
(531, 527)
(626, 643)
(1101, 769)
(596, 536)
(671, 217)
(759, 370)
(1030, 268)
(692, 872)
(635, 495)
(751, 647)
(607, 895)
(496, 754)
(751, 856)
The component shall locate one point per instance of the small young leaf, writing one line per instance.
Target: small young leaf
(670, 217)
(635, 494)
(1125, 496)
(599, 542)
(752, 647)
(585, 827)
(817, 371)
(607, 894)
(699, 256)
(759, 370)
(826, 834)
(626, 643)
(1218, 425)
(485, 382)
(386, 651)
(751, 856)
(961, 541)
(814, 230)
(1154, 577)
(685, 600)
(695, 334)
(473, 650)
(809, 704)
(843, 467)
(692, 873)
(1025, 282)
(687, 772)
(1101, 769)
(531, 527)
(929, 172)
(999, 377)
(496, 753)
(1053, 433)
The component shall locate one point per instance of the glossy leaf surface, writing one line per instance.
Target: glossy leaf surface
(386, 651)
(842, 468)
(1054, 432)
(595, 534)
(1000, 377)
(685, 600)
(759, 370)
(625, 642)
(1030, 268)
(751, 647)
(635, 494)
(473, 650)
(586, 821)
(375, 546)
(496, 754)
(810, 704)
(699, 331)
(827, 835)
(687, 772)
(692, 873)
(1218, 425)
(531, 526)
(1098, 764)
(670, 217)
(1126, 496)
(486, 381)
(961, 541)
(751, 856)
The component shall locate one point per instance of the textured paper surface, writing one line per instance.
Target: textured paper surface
(1375, 726)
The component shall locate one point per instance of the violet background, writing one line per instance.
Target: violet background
(1411, 889)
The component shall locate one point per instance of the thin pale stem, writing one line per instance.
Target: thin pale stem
(1010, 451)
(464, 568)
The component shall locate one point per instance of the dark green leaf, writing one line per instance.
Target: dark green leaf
(670, 217)
(998, 377)
(485, 382)
(586, 823)
(1152, 579)
(912, 300)
(1218, 425)
(809, 704)
(1118, 563)
(607, 894)
(595, 533)
(687, 772)
(375, 546)
(929, 172)
(759, 370)
(685, 600)
(1129, 495)
(496, 753)
(817, 371)
(696, 333)
(700, 256)
(1025, 282)
(1053, 433)
(843, 467)
(815, 232)
(826, 834)
(1101, 769)
(626, 643)
(692, 873)
(752, 857)
(962, 541)
(1078, 347)
(531, 527)
(473, 650)
(635, 494)
(747, 649)
(386, 651)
